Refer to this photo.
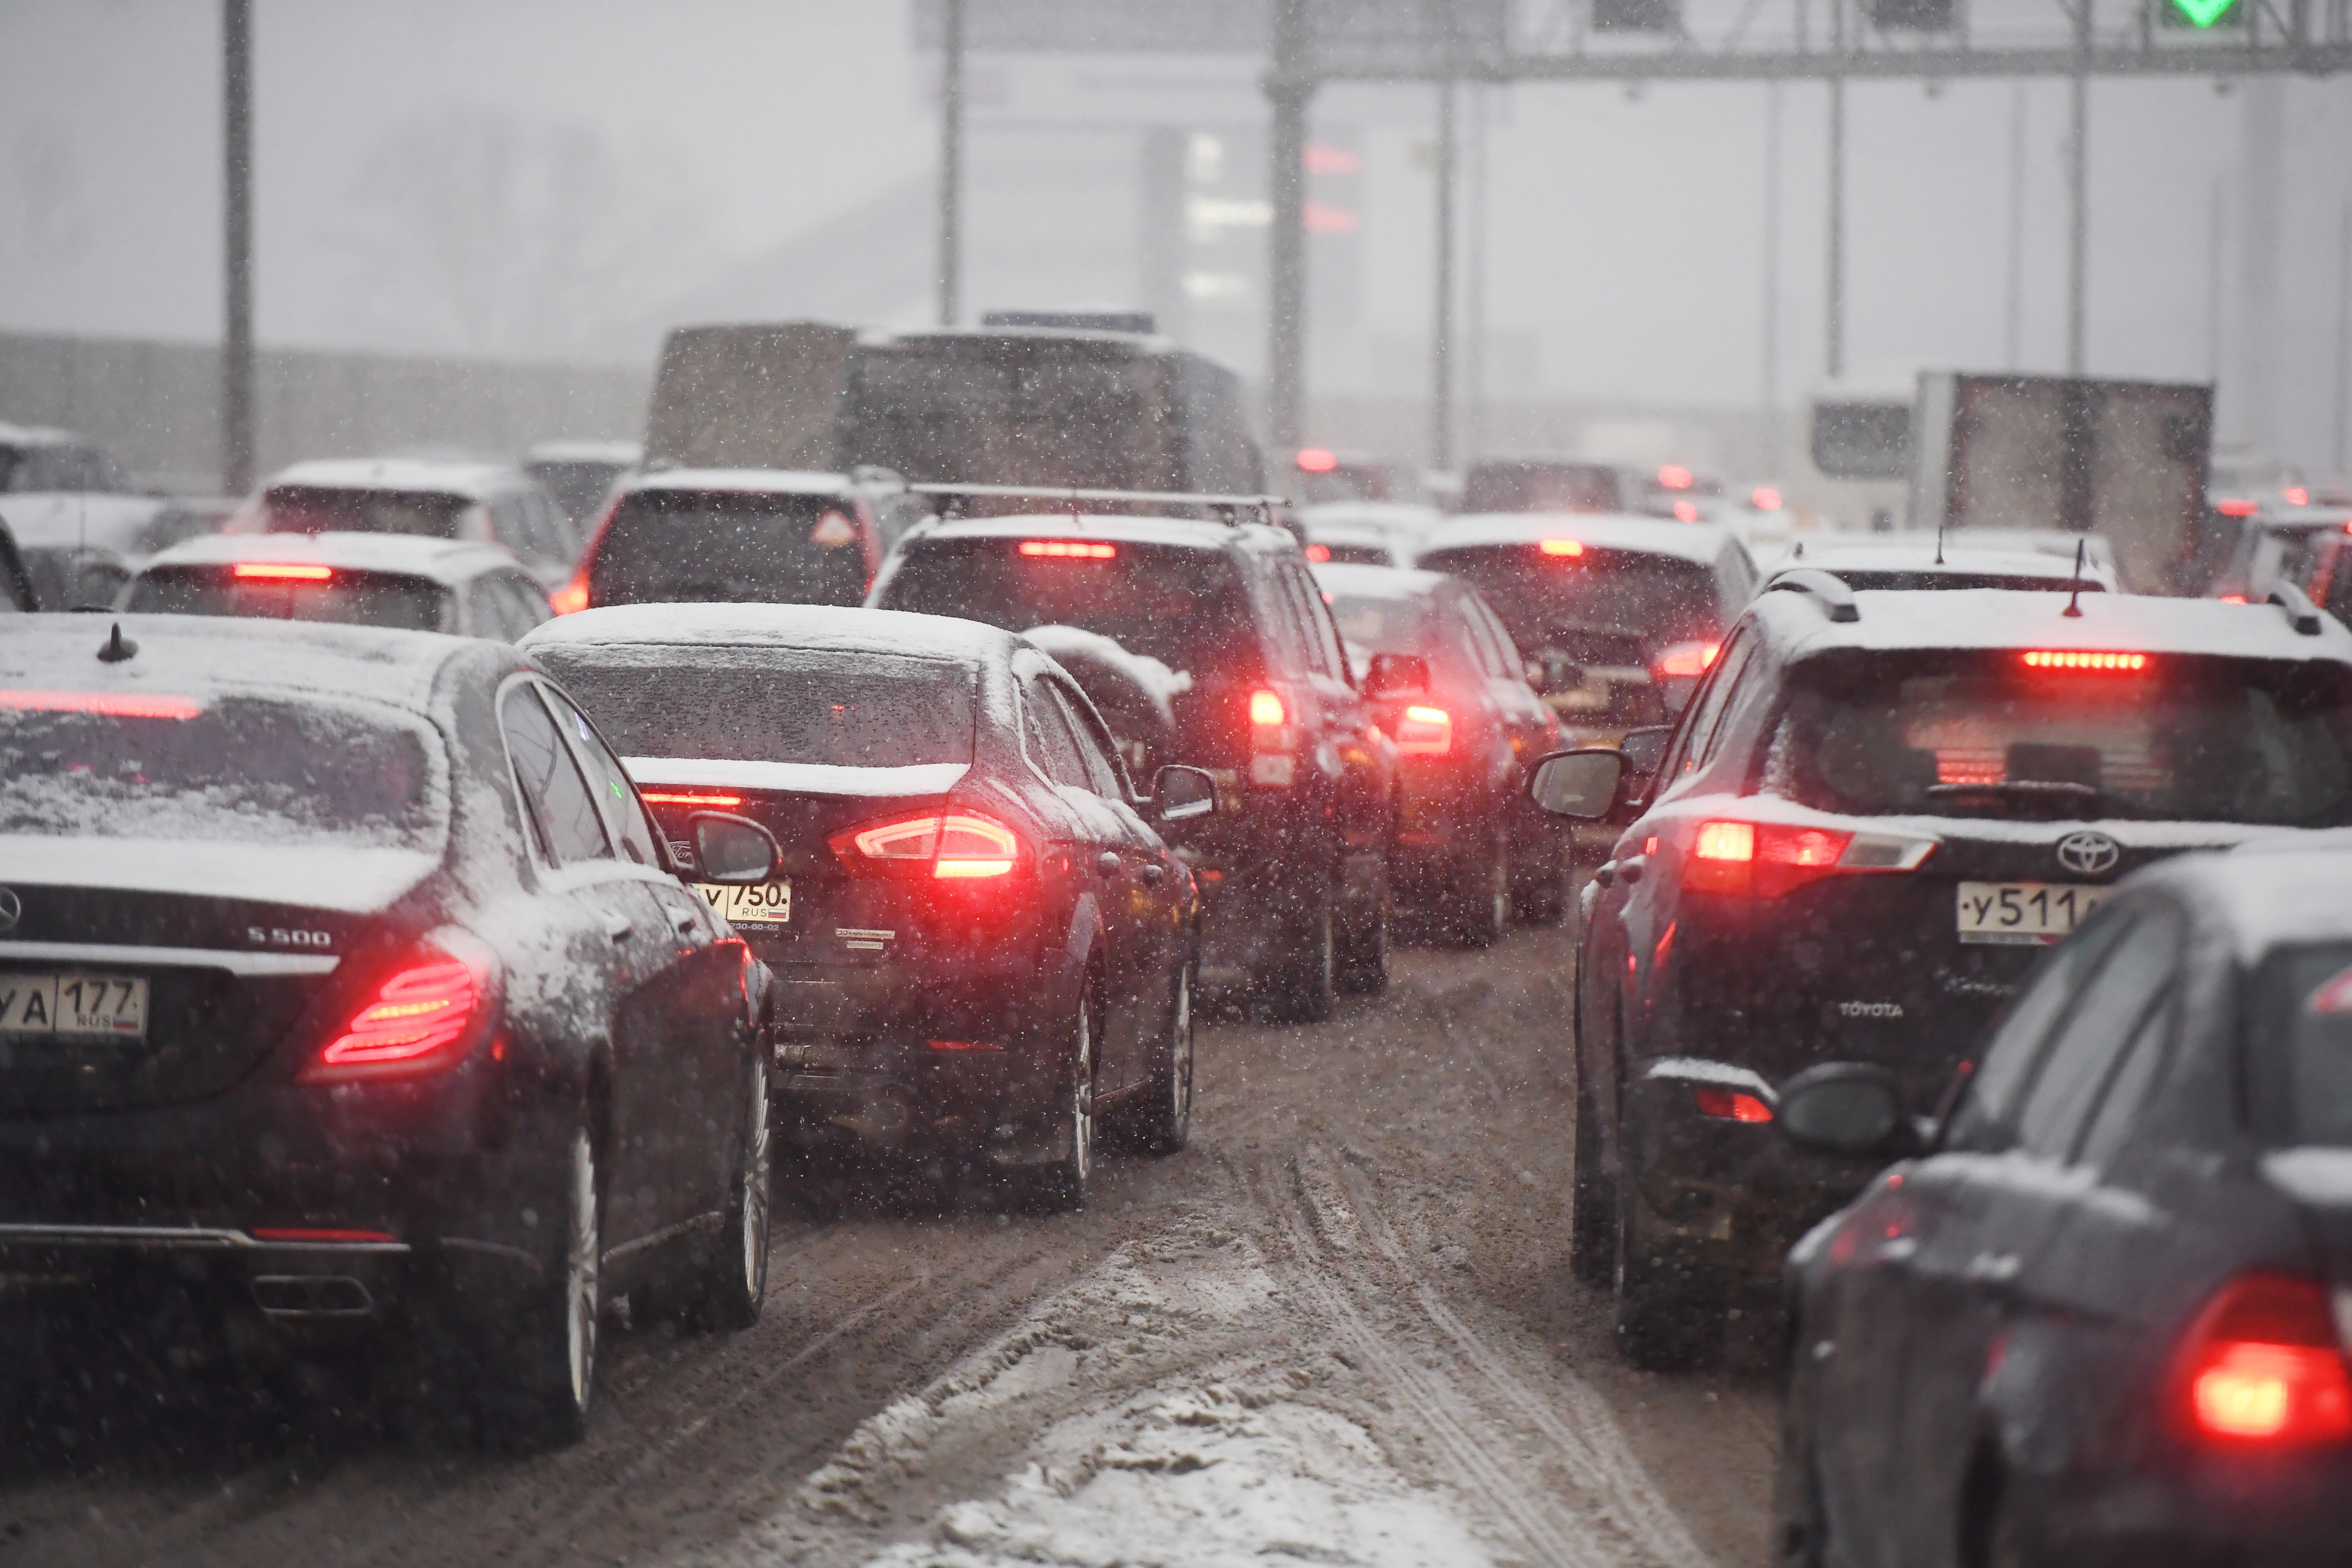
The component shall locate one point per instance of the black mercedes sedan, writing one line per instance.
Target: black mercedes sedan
(2102, 1315)
(981, 941)
(347, 994)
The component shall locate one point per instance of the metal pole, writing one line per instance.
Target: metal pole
(1836, 326)
(1288, 90)
(2343, 345)
(1441, 356)
(2013, 324)
(2216, 208)
(237, 226)
(1769, 370)
(2078, 182)
(1473, 353)
(952, 167)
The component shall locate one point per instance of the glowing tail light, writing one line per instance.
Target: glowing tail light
(2070, 658)
(1265, 708)
(1685, 659)
(2235, 507)
(2264, 1365)
(109, 704)
(954, 846)
(1069, 548)
(1730, 1105)
(1316, 460)
(1425, 732)
(1674, 477)
(1764, 497)
(270, 572)
(1685, 513)
(1319, 554)
(2233, 598)
(2295, 495)
(1562, 547)
(1767, 860)
(418, 1021)
(572, 597)
(656, 797)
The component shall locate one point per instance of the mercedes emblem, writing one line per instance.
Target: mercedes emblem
(12, 909)
(2088, 854)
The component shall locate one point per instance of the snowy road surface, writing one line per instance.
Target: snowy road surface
(1339, 1327)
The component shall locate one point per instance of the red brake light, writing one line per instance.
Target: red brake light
(2067, 658)
(1764, 497)
(1674, 476)
(572, 597)
(413, 1023)
(270, 572)
(2295, 495)
(112, 705)
(655, 797)
(1265, 708)
(1315, 460)
(1319, 554)
(1425, 732)
(955, 845)
(1763, 859)
(1730, 1105)
(2264, 1364)
(1563, 547)
(2233, 598)
(331, 1237)
(1687, 658)
(2236, 508)
(1069, 548)
(1685, 513)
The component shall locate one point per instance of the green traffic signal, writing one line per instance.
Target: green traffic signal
(2200, 13)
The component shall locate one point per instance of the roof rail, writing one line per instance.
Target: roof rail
(1229, 504)
(1836, 600)
(2301, 613)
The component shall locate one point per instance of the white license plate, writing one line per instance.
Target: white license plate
(110, 1006)
(766, 904)
(2024, 914)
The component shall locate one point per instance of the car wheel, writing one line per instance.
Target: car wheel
(1305, 981)
(1059, 1187)
(729, 1278)
(1670, 1318)
(1163, 1122)
(1801, 1529)
(1591, 1235)
(1364, 952)
(537, 1388)
(1481, 895)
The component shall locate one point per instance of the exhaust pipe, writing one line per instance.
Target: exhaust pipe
(311, 1296)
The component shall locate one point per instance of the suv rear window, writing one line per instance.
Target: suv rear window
(2300, 1031)
(1599, 606)
(355, 598)
(311, 508)
(1977, 733)
(1182, 606)
(993, 411)
(235, 768)
(863, 710)
(729, 547)
(1541, 486)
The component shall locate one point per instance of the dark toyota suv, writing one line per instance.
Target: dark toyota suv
(1871, 819)
(1293, 863)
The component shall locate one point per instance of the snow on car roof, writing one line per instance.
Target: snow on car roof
(827, 627)
(1906, 554)
(1361, 580)
(196, 655)
(1066, 645)
(446, 562)
(2036, 540)
(1699, 542)
(1136, 342)
(2277, 889)
(409, 475)
(744, 481)
(2009, 618)
(1202, 533)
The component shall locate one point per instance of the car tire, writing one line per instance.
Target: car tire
(1479, 903)
(1305, 985)
(729, 1282)
(1162, 1123)
(1060, 1184)
(1670, 1316)
(536, 1389)
(1363, 956)
(1592, 1219)
(1800, 1530)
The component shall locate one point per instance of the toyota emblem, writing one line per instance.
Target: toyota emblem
(2088, 854)
(12, 909)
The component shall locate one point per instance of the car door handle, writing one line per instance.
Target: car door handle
(1108, 862)
(1153, 873)
(684, 920)
(1994, 1272)
(617, 927)
(1605, 873)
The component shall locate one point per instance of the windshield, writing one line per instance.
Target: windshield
(1556, 603)
(236, 768)
(1541, 486)
(310, 508)
(722, 547)
(1182, 606)
(1014, 413)
(1382, 626)
(579, 488)
(2186, 738)
(355, 598)
(858, 709)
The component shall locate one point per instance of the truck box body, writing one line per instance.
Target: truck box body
(2124, 459)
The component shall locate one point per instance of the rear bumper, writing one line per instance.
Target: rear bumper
(2292, 1514)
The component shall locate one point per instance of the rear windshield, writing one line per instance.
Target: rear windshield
(233, 768)
(1552, 603)
(2186, 739)
(1014, 413)
(355, 598)
(1350, 554)
(1541, 486)
(863, 710)
(1381, 624)
(718, 547)
(1912, 582)
(2300, 1029)
(1182, 606)
(579, 488)
(310, 508)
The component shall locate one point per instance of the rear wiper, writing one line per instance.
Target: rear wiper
(2053, 791)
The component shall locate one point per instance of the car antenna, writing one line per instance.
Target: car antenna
(116, 647)
(2074, 605)
(1940, 541)
(1798, 552)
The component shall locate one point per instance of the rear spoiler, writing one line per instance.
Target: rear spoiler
(1225, 508)
(1830, 594)
(2301, 613)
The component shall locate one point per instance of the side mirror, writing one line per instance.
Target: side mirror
(1646, 748)
(1579, 784)
(1396, 675)
(1181, 793)
(1846, 1108)
(732, 851)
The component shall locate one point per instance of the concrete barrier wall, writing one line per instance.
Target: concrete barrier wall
(156, 405)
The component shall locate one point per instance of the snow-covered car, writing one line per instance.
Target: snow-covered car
(82, 527)
(1920, 561)
(482, 503)
(391, 580)
(348, 997)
